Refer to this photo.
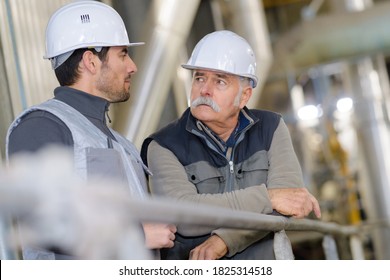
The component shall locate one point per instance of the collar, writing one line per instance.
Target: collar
(241, 125)
(89, 105)
(245, 120)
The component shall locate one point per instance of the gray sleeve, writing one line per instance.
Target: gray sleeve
(284, 171)
(36, 130)
(238, 240)
(170, 179)
(284, 168)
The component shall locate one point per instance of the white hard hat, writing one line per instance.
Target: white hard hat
(224, 51)
(85, 24)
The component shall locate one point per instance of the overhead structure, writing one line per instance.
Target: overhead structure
(169, 24)
(249, 21)
(331, 37)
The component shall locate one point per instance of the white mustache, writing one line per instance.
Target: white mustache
(205, 101)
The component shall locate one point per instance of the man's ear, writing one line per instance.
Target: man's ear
(89, 61)
(245, 96)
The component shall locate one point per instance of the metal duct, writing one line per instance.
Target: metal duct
(23, 25)
(249, 21)
(370, 87)
(333, 37)
(6, 114)
(169, 29)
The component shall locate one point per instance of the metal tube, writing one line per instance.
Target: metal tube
(173, 21)
(330, 248)
(370, 89)
(249, 21)
(356, 247)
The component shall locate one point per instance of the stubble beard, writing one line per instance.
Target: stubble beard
(109, 88)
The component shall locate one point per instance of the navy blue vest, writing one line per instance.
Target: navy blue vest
(184, 139)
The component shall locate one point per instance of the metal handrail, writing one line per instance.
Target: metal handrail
(199, 215)
(188, 214)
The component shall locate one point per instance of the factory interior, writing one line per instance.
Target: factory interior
(324, 65)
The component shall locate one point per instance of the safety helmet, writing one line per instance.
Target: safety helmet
(224, 51)
(85, 24)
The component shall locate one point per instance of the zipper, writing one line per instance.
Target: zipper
(231, 180)
(230, 159)
(231, 166)
(109, 143)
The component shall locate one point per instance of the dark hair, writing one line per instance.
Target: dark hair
(68, 72)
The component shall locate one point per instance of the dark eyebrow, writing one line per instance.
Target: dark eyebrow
(219, 75)
(223, 76)
(125, 50)
(197, 73)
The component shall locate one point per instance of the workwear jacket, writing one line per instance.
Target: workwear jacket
(190, 163)
(96, 153)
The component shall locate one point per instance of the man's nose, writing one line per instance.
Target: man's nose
(207, 88)
(132, 67)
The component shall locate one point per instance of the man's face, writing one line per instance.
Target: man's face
(115, 75)
(216, 97)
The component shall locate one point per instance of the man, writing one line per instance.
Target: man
(87, 44)
(221, 153)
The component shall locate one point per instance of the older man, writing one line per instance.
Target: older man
(221, 153)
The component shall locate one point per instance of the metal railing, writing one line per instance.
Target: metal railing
(199, 215)
(54, 204)
(167, 211)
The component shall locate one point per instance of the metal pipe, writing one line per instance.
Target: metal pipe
(332, 37)
(356, 246)
(370, 88)
(310, 11)
(21, 196)
(249, 21)
(330, 248)
(171, 24)
(169, 211)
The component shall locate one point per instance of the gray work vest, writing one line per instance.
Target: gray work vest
(94, 155)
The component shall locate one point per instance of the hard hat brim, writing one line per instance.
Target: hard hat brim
(251, 77)
(135, 44)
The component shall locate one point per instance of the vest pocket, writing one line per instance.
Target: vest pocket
(253, 171)
(205, 177)
(105, 163)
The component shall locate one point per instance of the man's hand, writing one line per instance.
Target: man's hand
(295, 202)
(212, 249)
(159, 235)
